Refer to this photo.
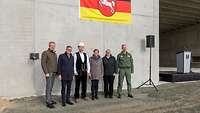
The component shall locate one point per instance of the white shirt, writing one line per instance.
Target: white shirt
(107, 57)
(83, 59)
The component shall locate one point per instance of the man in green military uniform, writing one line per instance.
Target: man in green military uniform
(125, 64)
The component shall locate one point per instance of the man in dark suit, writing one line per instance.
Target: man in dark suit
(66, 74)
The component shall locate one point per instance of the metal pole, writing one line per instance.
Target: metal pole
(150, 68)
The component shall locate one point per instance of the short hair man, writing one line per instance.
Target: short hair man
(49, 66)
(125, 64)
(66, 74)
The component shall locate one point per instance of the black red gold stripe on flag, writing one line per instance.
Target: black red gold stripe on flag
(115, 11)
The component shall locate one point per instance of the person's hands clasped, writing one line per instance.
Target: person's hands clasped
(60, 77)
(47, 75)
(89, 75)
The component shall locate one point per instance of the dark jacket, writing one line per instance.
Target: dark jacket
(66, 66)
(49, 61)
(81, 66)
(110, 65)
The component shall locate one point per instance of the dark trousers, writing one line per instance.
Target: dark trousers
(108, 85)
(80, 79)
(94, 88)
(66, 89)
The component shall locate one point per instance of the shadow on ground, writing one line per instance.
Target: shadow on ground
(171, 98)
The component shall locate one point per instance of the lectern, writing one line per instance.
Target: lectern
(183, 61)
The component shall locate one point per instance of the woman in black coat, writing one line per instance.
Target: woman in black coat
(110, 69)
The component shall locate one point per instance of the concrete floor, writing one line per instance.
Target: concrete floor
(171, 98)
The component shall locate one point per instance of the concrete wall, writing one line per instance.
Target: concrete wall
(178, 40)
(28, 25)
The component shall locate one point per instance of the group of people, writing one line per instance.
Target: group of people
(81, 67)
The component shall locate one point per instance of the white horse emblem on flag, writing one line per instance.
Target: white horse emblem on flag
(111, 5)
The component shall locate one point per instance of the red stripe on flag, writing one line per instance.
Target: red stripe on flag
(89, 3)
(121, 6)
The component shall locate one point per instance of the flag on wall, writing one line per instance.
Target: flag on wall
(115, 11)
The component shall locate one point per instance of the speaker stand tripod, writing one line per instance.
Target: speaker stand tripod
(150, 79)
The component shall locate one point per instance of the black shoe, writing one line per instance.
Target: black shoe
(96, 97)
(84, 98)
(119, 96)
(50, 106)
(130, 96)
(54, 102)
(106, 95)
(63, 104)
(92, 98)
(70, 103)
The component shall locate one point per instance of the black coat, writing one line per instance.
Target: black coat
(110, 65)
(66, 66)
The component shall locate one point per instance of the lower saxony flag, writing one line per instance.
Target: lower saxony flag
(114, 11)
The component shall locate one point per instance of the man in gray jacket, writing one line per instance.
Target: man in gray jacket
(49, 66)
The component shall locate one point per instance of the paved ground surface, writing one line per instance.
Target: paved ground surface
(171, 98)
